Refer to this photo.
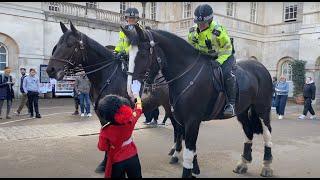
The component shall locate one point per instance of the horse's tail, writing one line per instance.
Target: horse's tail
(255, 124)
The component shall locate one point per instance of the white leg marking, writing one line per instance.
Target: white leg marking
(266, 135)
(132, 56)
(188, 158)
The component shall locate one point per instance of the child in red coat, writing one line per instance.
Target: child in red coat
(118, 121)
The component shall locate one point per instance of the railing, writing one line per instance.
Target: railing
(109, 16)
(65, 8)
(81, 11)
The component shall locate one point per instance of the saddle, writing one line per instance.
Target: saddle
(215, 112)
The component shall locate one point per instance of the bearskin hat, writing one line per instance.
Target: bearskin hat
(114, 109)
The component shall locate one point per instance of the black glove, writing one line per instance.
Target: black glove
(213, 54)
(208, 43)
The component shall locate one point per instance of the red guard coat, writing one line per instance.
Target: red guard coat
(112, 137)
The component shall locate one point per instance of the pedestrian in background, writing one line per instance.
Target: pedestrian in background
(24, 97)
(76, 102)
(82, 87)
(274, 83)
(282, 89)
(6, 91)
(309, 93)
(32, 88)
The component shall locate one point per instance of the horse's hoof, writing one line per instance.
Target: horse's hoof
(100, 169)
(174, 160)
(186, 173)
(241, 168)
(171, 152)
(266, 172)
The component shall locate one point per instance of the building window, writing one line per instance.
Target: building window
(253, 11)
(91, 5)
(290, 12)
(286, 70)
(153, 8)
(230, 9)
(123, 7)
(186, 10)
(54, 6)
(3, 57)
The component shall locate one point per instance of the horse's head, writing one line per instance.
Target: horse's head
(145, 57)
(67, 53)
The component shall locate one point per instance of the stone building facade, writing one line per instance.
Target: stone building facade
(274, 33)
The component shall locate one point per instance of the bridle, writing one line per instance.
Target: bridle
(70, 62)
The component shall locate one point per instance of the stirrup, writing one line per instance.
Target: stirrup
(233, 112)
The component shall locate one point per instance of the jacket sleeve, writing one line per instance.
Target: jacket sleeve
(225, 46)
(103, 141)
(76, 82)
(1, 80)
(313, 92)
(287, 87)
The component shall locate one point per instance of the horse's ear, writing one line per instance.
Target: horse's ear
(73, 29)
(139, 32)
(125, 31)
(63, 27)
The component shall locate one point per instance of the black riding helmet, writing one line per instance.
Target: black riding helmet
(131, 13)
(203, 13)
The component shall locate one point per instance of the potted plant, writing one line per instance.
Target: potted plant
(298, 79)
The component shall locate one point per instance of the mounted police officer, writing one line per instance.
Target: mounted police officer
(122, 48)
(211, 38)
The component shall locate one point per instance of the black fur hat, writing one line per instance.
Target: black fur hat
(108, 107)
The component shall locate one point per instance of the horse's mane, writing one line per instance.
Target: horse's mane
(98, 48)
(179, 42)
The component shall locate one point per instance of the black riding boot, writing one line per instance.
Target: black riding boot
(230, 85)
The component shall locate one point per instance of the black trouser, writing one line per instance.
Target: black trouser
(131, 167)
(33, 98)
(229, 78)
(227, 67)
(308, 107)
(152, 115)
(76, 103)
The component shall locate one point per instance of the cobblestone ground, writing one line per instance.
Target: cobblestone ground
(63, 145)
(56, 121)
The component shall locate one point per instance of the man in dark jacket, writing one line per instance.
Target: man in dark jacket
(309, 91)
(24, 97)
(274, 83)
(6, 91)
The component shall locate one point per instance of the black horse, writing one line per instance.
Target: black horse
(105, 74)
(194, 91)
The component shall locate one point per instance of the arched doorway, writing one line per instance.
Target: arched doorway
(317, 81)
(284, 68)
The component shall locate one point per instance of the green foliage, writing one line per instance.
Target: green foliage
(298, 76)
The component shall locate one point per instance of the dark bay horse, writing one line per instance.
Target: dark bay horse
(104, 73)
(193, 94)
